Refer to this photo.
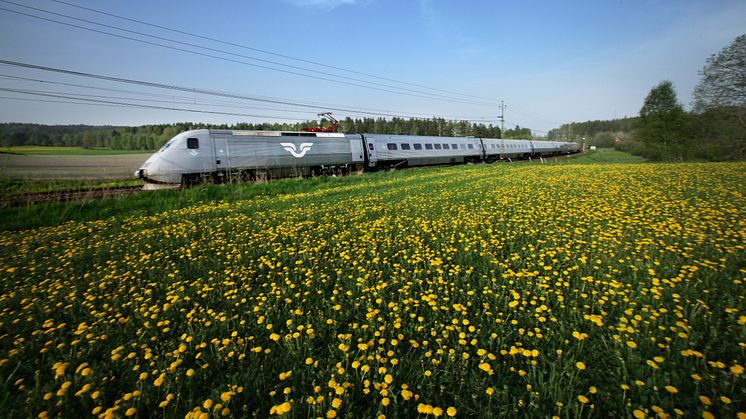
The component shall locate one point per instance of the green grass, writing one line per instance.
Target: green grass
(67, 151)
(580, 290)
(153, 202)
(10, 187)
(605, 156)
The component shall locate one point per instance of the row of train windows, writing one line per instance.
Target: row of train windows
(418, 146)
(506, 146)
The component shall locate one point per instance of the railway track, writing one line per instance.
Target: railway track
(32, 198)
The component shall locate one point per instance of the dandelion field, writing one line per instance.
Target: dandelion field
(471, 291)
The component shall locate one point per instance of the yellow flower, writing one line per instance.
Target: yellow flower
(451, 411)
(583, 399)
(639, 414)
(580, 365)
(425, 409)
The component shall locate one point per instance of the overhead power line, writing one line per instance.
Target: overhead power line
(137, 105)
(194, 90)
(323, 75)
(264, 51)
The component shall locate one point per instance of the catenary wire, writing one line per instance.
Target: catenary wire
(200, 91)
(264, 51)
(406, 92)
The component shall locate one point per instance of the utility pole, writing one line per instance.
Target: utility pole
(502, 118)
(502, 129)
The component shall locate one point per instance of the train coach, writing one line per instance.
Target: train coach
(216, 155)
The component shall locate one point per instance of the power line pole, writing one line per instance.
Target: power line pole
(502, 118)
(502, 129)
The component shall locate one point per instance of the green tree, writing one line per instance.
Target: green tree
(663, 126)
(723, 82)
(720, 104)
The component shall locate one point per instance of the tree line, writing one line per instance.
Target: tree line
(151, 137)
(714, 129)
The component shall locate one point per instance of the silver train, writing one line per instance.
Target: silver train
(218, 155)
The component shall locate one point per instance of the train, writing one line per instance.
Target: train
(208, 155)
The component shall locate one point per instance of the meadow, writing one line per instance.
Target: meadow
(565, 290)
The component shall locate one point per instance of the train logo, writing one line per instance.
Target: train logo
(290, 147)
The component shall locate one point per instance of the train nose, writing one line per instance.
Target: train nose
(140, 173)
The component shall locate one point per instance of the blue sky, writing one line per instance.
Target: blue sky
(550, 61)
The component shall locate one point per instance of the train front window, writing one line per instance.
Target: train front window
(192, 143)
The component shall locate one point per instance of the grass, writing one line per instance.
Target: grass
(67, 151)
(12, 187)
(474, 291)
(605, 156)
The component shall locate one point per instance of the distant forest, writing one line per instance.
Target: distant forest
(598, 133)
(151, 137)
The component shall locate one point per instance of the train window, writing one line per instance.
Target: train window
(445, 146)
(471, 146)
(438, 146)
(428, 146)
(370, 146)
(192, 143)
(405, 146)
(418, 146)
(391, 146)
(454, 146)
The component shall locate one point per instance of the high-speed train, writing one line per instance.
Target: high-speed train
(218, 155)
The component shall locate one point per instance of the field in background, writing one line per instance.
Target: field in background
(479, 290)
(67, 151)
(70, 166)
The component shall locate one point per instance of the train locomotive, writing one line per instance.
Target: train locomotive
(204, 155)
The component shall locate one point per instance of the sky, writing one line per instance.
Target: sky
(548, 62)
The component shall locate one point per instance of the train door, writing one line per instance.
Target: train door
(220, 144)
(371, 152)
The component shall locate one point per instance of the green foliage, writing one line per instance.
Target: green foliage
(605, 156)
(576, 131)
(151, 137)
(720, 104)
(664, 128)
(723, 83)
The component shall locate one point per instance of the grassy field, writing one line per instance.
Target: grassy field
(69, 166)
(67, 151)
(604, 156)
(498, 290)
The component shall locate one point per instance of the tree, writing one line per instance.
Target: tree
(720, 104)
(663, 125)
(723, 82)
